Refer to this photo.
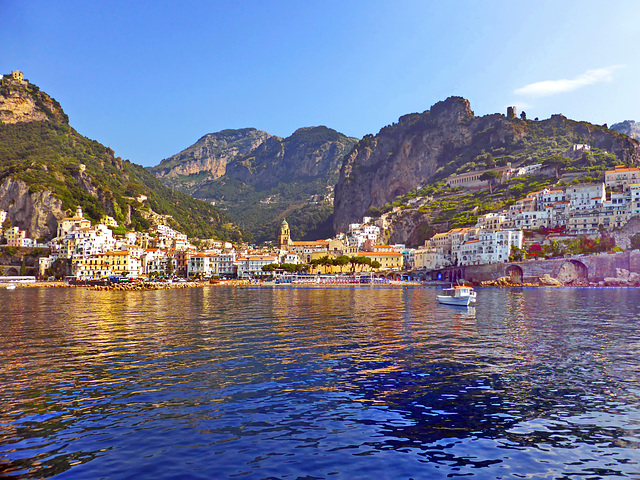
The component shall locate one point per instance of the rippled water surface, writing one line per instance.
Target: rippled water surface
(310, 383)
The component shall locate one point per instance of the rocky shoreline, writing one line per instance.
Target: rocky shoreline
(623, 278)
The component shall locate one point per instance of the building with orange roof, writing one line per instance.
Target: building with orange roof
(200, 264)
(387, 260)
(621, 176)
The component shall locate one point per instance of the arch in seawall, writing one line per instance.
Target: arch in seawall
(515, 273)
(457, 274)
(12, 272)
(573, 272)
(582, 269)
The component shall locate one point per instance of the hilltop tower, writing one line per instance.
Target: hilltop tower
(511, 113)
(16, 78)
(284, 237)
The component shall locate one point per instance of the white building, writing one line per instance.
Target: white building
(200, 264)
(291, 257)
(252, 265)
(154, 260)
(621, 176)
(585, 196)
(225, 264)
(488, 247)
(359, 233)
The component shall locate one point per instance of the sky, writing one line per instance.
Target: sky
(149, 78)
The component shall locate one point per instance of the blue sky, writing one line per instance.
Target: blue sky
(149, 78)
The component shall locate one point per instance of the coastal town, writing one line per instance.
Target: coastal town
(94, 251)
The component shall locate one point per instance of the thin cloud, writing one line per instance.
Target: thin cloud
(553, 87)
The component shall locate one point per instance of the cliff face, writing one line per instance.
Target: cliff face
(424, 147)
(255, 157)
(36, 212)
(211, 153)
(21, 101)
(309, 153)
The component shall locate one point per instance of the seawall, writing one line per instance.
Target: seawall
(570, 269)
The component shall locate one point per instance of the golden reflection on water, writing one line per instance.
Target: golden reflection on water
(330, 327)
(84, 358)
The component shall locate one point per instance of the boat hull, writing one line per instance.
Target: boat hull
(460, 301)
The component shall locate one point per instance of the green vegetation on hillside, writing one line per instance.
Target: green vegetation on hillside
(262, 211)
(48, 156)
(459, 207)
(533, 142)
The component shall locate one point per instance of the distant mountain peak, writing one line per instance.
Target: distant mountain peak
(630, 128)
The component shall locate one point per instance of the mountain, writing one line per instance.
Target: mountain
(47, 169)
(258, 178)
(424, 148)
(207, 158)
(628, 127)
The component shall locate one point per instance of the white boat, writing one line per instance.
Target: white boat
(11, 286)
(458, 295)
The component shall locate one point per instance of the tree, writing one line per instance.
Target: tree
(376, 264)
(517, 254)
(606, 243)
(523, 115)
(492, 177)
(557, 162)
(23, 269)
(353, 261)
(341, 261)
(169, 270)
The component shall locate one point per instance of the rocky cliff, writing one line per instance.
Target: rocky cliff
(35, 212)
(209, 155)
(423, 148)
(309, 153)
(21, 101)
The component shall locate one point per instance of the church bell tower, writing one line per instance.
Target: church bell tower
(284, 237)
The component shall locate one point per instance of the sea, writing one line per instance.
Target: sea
(291, 382)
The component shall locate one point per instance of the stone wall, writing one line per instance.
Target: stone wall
(575, 269)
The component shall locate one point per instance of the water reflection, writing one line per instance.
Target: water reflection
(291, 381)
